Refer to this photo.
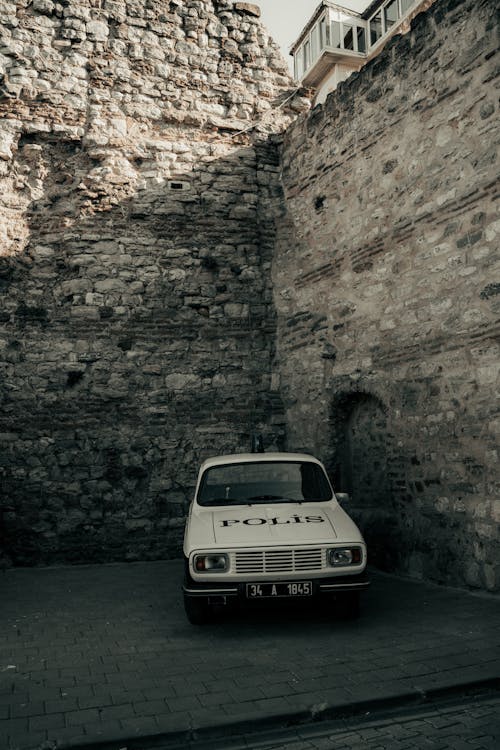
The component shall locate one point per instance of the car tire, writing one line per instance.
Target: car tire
(348, 605)
(197, 609)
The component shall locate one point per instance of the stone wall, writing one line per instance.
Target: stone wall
(387, 289)
(141, 272)
(137, 231)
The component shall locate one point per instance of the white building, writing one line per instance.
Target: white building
(337, 41)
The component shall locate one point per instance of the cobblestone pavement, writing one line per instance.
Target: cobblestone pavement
(100, 653)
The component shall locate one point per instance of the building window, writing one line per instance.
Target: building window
(348, 36)
(322, 33)
(336, 38)
(361, 34)
(299, 67)
(315, 43)
(306, 55)
(391, 14)
(406, 5)
(375, 28)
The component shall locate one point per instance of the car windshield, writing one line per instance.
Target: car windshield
(250, 483)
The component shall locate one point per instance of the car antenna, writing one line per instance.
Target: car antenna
(257, 443)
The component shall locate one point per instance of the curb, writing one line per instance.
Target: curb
(246, 725)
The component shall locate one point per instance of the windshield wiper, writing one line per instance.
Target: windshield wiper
(267, 498)
(221, 501)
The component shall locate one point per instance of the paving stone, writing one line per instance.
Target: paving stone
(37, 694)
(98, 700)
(49, 722)
(149, 708)
(273, 706)
(109, 713)
(105, 729)
(276, 690)
(83, 716)
(140, 725)
(27, 739)
(216, 699)
(18, 710)
(69, 735)
(183, 704)
(14, 727)
(161, 692)
(183, 687)
(78, 692)
(176, 722)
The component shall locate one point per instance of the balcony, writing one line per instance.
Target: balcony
(338, 38)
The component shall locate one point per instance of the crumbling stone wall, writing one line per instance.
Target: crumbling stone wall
(386, 283)
(137, 206)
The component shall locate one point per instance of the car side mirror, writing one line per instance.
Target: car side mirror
(342, 497)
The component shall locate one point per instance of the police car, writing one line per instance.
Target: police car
(266, 526)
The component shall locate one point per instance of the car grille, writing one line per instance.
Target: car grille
(279, 561)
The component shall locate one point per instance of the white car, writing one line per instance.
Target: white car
(269, 526)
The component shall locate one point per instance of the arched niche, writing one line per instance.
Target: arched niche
(362, 453)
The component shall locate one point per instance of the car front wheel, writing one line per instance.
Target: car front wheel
(197, 609)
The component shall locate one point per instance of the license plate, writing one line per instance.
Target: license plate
(272, 590)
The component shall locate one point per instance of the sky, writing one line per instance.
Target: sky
(285, 19)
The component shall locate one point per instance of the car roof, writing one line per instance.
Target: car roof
(239, 458)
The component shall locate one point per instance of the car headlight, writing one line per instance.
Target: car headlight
(214, 563)
(343, 556)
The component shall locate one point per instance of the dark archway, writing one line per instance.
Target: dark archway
(361, 466)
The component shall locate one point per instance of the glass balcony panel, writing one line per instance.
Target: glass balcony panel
(361, 36)
(315, 43)
(299, 67)
(406, 4)
(375, 28)
(348, 36)
(335, 34)
(306, 55)
(322, 33)
(391, 14)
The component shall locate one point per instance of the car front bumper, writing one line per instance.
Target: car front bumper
(331, 585)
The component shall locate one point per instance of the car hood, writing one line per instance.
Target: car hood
(269, 525)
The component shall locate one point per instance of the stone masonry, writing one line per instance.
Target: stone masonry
(387, 289)
(136, 242)
(164, 294)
